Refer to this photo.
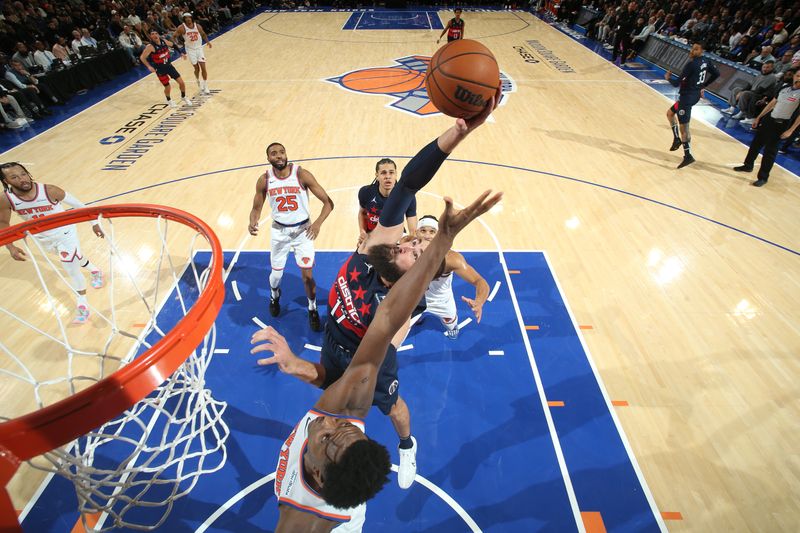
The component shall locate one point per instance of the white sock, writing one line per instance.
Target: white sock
(82, 301)
(275, 282)
(451, 325)
(312, 304)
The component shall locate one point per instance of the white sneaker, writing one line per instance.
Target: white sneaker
(408, 465)
(186, 101)
(206, 90)
(738, 116)
(81, 315)
(172, 104)
(747, 121)
(729, 111)
(452, 333)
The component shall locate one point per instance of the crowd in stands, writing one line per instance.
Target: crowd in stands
(761, 35)
(38, 36)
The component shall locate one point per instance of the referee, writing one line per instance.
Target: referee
(777, 125)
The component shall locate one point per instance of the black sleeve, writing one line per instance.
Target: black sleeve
(412, 209)
(713, 74)
(363, 195)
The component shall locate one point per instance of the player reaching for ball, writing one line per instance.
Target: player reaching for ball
(355, 307)
(328, 468)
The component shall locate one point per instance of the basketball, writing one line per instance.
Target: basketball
(462, 76)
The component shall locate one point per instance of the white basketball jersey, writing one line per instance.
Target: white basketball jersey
(288, 199)
(291, 487)
(41, 205)
(192, 40)
(440, 288)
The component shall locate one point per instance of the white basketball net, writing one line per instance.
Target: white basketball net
(154, 452)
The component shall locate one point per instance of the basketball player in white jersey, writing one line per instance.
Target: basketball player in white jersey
(439, 299)
(286, 185)
(193, 36)
(34, 200)
(327, 467)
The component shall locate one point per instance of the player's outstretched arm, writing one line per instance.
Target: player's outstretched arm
(269, 340)
(60, 195)
(258, 204)
(417, 173)
(308, 181)
(352, 393)
(465, 271)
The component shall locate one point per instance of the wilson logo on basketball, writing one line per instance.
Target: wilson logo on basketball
(465, 95)
(404, 83)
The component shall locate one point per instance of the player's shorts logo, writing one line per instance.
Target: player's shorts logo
(682, 112)
(393, 387)
(305, 260)
(64, 254)
(404, 83)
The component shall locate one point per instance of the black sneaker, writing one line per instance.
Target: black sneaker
(743, 168)
(313, 320)
(676, 143)
(275, 304)
(759, 183)
(687, 160)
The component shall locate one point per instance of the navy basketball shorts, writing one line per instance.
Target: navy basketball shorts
(336, 358)
(683, 108)
(165, 72)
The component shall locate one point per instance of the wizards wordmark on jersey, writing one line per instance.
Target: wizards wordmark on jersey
(404, 82)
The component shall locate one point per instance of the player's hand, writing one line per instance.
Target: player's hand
(98, 231)
(668, 75)
(17, 254)
(209, 44)
(253, 229)
(437, 40)
(362, 236)
(465, 126)
(269, 340)
(151, 69)
(702, 93)
(183, 56)
(477, 309)
(755, 123)
(786, 134)
(313, 230)
(453, 221)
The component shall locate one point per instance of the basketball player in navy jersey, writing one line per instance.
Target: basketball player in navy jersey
(454, 28)
(363, 282)
(698, 74)
(328, 468)
(372, 197)
(157, 52)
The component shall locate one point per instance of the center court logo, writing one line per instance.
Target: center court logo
(404, 83)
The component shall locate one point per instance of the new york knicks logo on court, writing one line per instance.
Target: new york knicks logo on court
(404, 83)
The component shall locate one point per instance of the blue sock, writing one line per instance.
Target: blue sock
(406, 443)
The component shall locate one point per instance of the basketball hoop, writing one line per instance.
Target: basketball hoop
(153, 412)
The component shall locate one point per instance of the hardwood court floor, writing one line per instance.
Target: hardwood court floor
(689, 278)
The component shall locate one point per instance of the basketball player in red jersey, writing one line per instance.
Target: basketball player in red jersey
(286, 185)
(372, 197)
(454, 28)
(157, 52)
(193, 37)
(31, 200)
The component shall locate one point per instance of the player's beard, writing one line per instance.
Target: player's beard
(280, 166)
